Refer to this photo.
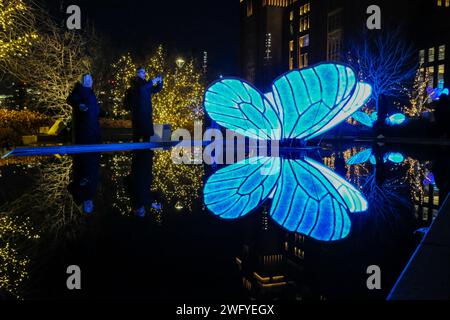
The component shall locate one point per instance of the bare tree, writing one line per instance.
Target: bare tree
(52, 64)
(385, 61)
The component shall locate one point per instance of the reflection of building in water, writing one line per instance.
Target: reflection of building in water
(263, 261)
(425, 194)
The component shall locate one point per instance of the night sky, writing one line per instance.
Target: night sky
(186, 27)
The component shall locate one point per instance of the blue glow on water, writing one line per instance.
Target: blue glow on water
(394, 157)
(360, 157)
(303, 103)
(308, 198)
(396, 119)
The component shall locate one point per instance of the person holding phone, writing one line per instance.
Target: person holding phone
(138, 99)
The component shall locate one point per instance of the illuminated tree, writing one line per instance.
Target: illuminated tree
(418, 97)
(180, 102)
(17, 32)
(123, 71)
(55, 62)
(385, 62)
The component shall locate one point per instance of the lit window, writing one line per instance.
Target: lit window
(430, 71)
(442, 52)
(303, 60)
(291, 55)
(304, 24)
(249, 8)
(439, 3)
(303, 41)
(441, 74)
(447, 3)
(291, 16)
(431, 54)
(422, 56)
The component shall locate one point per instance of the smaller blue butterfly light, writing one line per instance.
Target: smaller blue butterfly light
(367, 155)
(303, 103)
(307, 197)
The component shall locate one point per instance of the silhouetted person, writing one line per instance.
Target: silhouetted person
(85, 111)
(140, 180)
(85, 180)
(138, 99)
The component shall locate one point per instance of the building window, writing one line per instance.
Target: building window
(442, 52)
(422, 57)
(303, 60)
(306, 8)
(334, 47)
(439, 3)
(441, 76)
(291, 16)
(303, 41)
(447, 3)
(431, 53)
(430, 72)
(249, 8)
(291, 55)
(304, 24)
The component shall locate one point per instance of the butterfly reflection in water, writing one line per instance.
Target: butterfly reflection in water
(307, 197)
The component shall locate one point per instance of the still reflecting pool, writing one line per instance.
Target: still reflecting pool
(305, 225)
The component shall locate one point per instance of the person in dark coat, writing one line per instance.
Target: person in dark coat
(85, 111)
(139, 182)
(138, 100)
(85, 178)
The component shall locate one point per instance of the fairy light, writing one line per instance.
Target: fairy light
(124, 70)
(418, 96)
(14, 264)
(179, 185)
(13, 40)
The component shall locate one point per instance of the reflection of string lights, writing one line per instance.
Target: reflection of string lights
(177, 183)
(14, 264)
(120, 167)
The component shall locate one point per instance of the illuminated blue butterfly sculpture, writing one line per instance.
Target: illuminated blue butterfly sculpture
(307, 197)
(303, 103)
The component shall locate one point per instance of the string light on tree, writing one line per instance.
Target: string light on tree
(124, 70)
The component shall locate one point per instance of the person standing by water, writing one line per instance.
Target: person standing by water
(85, 112)
(138, 99)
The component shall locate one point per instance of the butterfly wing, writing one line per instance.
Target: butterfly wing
(353, 199)
(238, 106)
(363, 118)
(314, 100)
(310, 202)
(238, 189)
(360, 157)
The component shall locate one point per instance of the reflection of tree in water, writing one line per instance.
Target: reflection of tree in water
(17, 236)
(120, 166)
(49, 207)
(415, 174)
(179, 185)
